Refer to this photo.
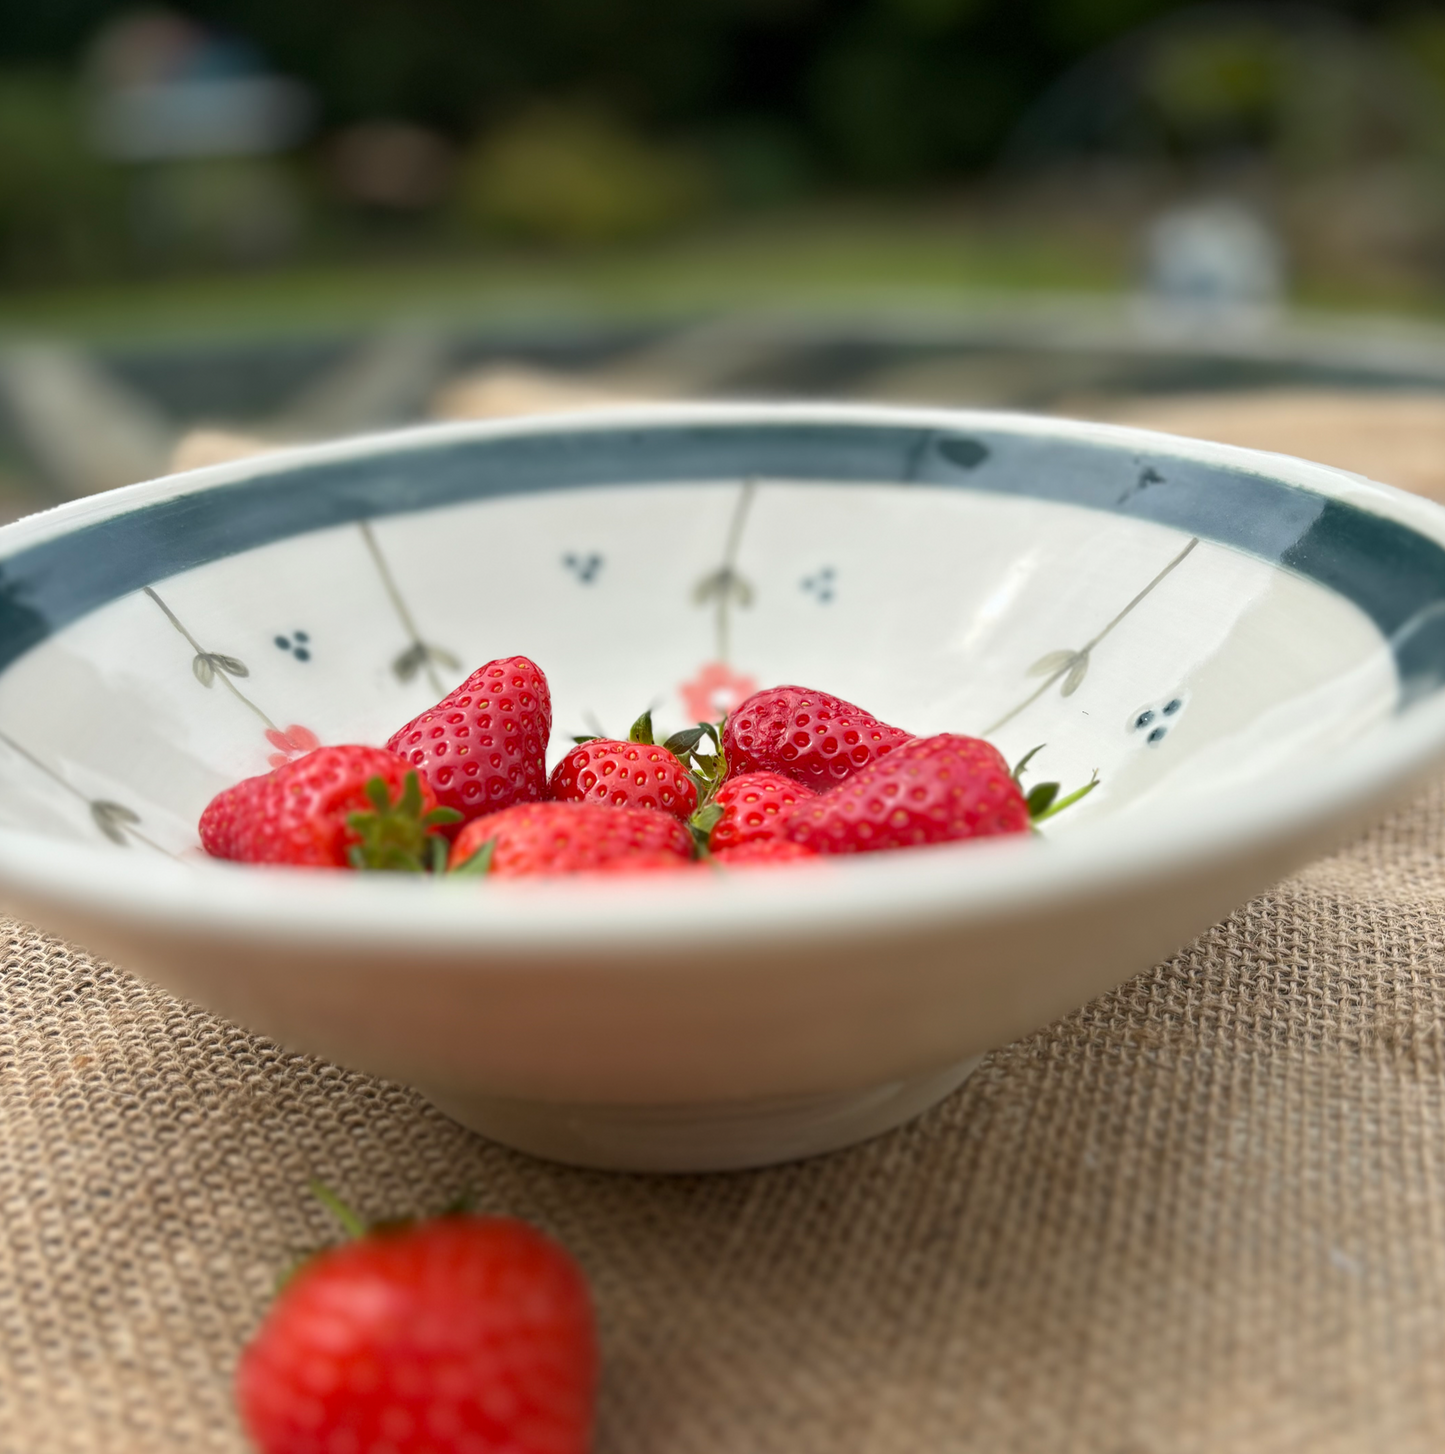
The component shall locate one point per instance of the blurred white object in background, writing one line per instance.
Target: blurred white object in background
(1214, 255)
(224, 116)
(167, 88)
(200, 120)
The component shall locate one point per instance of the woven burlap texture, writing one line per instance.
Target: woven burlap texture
(1203, 1213)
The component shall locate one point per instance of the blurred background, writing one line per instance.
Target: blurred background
(239, 222)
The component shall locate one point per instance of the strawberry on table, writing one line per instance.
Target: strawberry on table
(337, 807)
(483, 746)
(459, 1335)
(931, 790)
(560, 838)
(755, 806)
(806, 735)
(624, 775)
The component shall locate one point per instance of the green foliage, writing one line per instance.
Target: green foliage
(591, 122)
(577, 175)
(60, 208)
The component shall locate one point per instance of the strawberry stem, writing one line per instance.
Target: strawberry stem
(1043, 799)
(1023, 762)
(1051, 807)
(351, 1223)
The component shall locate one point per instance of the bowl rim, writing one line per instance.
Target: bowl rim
(932, 887)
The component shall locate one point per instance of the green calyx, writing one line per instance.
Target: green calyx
(1043, 799)
(703, 767)
(707, 769)
(356, 1227)
(476, 865)
(397, 837)
(351, 1222)
(701, 824)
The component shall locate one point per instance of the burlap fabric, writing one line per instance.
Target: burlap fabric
(1207, 1212)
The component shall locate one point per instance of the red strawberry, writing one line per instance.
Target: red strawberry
(624, 775)
(763, 852)
(224, 811)
(332, 808)
(548, 838)
(805, 735)
(755, 806)
(483, 746)
(452, 1336)
(930, 790)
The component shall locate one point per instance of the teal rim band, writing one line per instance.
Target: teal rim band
(1395, 575)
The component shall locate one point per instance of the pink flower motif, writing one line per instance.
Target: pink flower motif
(293, 742)
(715, 691)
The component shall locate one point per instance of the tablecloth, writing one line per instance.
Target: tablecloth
(1206, 1212)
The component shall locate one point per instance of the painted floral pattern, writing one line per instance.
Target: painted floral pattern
(715, 691)
(717, 686)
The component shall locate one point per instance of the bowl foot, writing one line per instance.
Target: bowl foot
(713, 1136)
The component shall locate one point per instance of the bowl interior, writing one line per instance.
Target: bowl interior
(1177, 624)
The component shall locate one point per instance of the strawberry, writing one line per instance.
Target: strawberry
(550, 838)
(763, 853)
(624, 775)
(224, 812)
(450, 1336)
(805, 735)
(483, 746)
(332, 808)
(931, 790)
(755, 805)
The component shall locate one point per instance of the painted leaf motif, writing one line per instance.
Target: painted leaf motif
(207, 663)
(109, 818)
(721, 585)
(416, 656)
(411, 661)
(1077, 673)
(1054, 661)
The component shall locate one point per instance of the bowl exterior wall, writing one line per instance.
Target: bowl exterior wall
(683, 1023)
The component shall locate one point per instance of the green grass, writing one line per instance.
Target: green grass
(818, 261)
(823, 259)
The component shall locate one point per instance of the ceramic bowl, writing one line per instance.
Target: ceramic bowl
(1248, 649)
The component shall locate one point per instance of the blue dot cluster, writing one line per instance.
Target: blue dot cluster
(1156, 720)
(298, 644)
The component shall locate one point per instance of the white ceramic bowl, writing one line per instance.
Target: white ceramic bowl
(1250, 650)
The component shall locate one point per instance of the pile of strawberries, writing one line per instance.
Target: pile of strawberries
(792, 774)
